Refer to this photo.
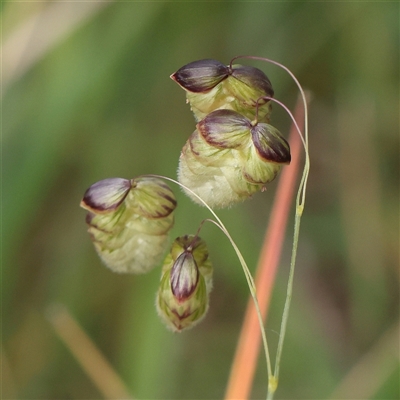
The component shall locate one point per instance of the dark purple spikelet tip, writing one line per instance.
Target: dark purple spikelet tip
(106, 195)
(184, 276)
(270, 144)
(254, 78)
(201, 76)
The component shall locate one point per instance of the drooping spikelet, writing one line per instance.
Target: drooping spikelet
(186, 281)
(129, 221)
(211, 85)
(228, 158)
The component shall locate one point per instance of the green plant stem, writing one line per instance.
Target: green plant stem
(289, 293)
(300, 200)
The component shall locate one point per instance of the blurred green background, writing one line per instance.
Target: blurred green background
(86, 95)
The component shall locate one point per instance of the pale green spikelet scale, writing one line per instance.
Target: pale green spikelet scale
(186, 281)
(129, 221)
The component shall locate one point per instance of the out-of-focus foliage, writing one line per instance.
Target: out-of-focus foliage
(87, 95)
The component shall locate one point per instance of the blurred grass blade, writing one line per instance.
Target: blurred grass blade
(41, 32)
(372, 369)
(87, 354)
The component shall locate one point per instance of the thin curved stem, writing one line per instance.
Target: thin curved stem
(300, 202)
(289, 292)
(295, 124)
(294, 79)
(303, 183)
(249, 277)
(244, 363)
(305, 104)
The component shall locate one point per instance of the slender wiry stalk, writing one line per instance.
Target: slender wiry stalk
(249, 277)
(244, 363)
(300, 202)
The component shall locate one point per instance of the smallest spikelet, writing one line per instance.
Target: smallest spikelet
(129, 221)
(186, 281)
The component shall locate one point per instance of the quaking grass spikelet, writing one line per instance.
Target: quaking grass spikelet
(129, 221)
(211, 85)
(186, 281)
(229, 157)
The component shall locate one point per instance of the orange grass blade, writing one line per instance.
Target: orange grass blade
(245, 360)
